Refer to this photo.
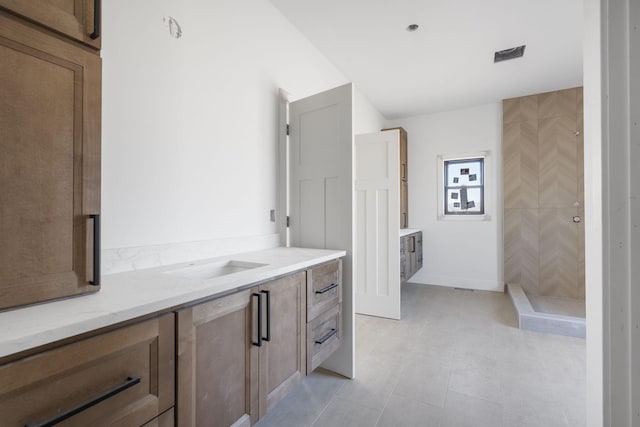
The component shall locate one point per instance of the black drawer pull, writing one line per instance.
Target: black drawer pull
(96, 20)
(131, 381)
(327, 289)
(326, 337)
(259, 342)
(96, 249)
(268, 337)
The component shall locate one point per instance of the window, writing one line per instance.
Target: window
(464, 186)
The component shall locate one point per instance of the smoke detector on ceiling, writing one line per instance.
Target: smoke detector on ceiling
(505, 55)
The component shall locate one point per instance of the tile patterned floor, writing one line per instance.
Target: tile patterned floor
(455, 359)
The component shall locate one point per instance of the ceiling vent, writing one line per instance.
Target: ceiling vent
(505, 55)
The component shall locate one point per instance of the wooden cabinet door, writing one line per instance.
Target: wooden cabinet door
(403, 259)
(217, 372)
(404, 204)
(282, 358)
(404, 168)
(74, 18)
(123, 378)
(49, 164)
(418, 251)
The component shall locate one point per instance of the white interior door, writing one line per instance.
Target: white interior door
(377, 224)
(321, 186)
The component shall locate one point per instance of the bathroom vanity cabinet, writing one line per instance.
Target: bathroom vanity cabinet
(239, 355)
(410, 255)
(223, 358)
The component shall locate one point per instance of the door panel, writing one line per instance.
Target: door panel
(378, 219)
(321, 187)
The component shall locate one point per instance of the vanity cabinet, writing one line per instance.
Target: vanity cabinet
(217, 370)
(324, 312)
(410, 255)
(282, 355)
(49, 156)
(240, 354)
(78, 19)
(122, 377)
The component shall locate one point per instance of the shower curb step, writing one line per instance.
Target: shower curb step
(532, 320)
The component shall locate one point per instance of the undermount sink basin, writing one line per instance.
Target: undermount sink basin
(213, 269)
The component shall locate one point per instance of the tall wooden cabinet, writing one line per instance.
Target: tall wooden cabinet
(404, 178)
(49, 150)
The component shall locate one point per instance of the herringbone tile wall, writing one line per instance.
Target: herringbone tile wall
(543, 190)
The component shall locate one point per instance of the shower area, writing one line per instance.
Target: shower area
(543, 164)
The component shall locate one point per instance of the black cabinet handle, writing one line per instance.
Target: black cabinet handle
(327, 289)
(131, 381)
(96, 20)
(259, 342)
(268, 337)
(326, 337)
(96, 249)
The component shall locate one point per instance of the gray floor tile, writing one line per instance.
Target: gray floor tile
(346, 413)
(304, 404)
(466, 411)
(406, 412)
(457, 357)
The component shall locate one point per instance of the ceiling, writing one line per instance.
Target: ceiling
(448, 62)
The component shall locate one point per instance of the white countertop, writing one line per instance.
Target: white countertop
(125, 296)
(406, 231)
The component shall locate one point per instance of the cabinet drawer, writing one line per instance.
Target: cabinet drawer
(323, 336)
(134, 365)
(324, 288)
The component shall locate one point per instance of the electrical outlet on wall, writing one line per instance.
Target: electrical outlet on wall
(273, 215)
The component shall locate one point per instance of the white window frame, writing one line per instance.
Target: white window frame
(488, 186)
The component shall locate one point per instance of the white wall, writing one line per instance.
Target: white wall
(467, 253)
(366, 118)
(190, 124)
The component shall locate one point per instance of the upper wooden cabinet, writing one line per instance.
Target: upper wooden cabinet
(404, 178)
(120, 378)
(78, 19)
(49, 163)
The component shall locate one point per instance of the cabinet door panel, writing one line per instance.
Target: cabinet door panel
(217, 364)
(404, 204)
(74, 18)
(49, 164)
(282, 363)
(39, 388)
